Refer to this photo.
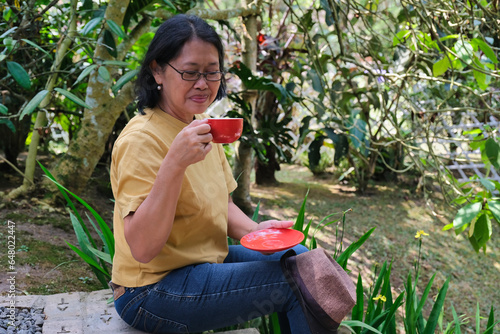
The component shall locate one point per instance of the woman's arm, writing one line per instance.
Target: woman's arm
(148, 228)
(239, 224)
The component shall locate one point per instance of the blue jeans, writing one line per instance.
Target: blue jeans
(209, 296)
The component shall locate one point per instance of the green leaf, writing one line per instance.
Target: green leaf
(487, 50)
(103, 256)
(316, 81)
(123, 80)
(8, 32)
(87, 259)
(494, 207)
(3, 109)
(34, 103)
(488, 184)
(491, 322)
(456, 320)
(466, 214)
(255, 215)
(116, 29)
(436, 309)
(400, 37)
(91, 25)
(440, 66)
(342, 258)
(464, 51)
(299, 223)
(107, 233)
(356, 323)
(37, 46)
(109, 42)
(482, 232)
(104, 73)
(72, 97)
(9, 124)
(115, 63)
(492, 150)
(481, 79)
(84, 73)
(19, 74)
(425, 294)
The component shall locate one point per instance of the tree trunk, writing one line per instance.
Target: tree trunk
(265, 171)
(243, 162)
(241, 171)
(266, 113)
(74, 169)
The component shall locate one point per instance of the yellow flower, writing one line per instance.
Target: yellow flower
(420, 234)
(382, 298)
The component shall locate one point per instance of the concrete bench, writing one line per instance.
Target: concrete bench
(82, 313)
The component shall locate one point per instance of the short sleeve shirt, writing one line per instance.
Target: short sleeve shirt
(199, 231)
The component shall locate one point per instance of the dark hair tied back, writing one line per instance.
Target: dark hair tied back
(166, 46)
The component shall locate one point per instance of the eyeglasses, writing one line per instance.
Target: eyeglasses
(195, 75)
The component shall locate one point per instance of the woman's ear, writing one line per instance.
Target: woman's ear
(155, 70)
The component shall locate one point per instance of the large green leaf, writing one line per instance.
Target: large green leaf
(72, 97)
(492, 150)
(19, 74)
(466, 214)
(104, 73)
(3, 109)
(115, 28)
(8, 123)
(342, 258)
(109, 42)
(464, 51)
(356, 323)
(482, 232)
(123, 80)
(37, 47)
(487, 50)
(481, 79)
(85, 73)
(440, 66)
(432, 321)
(91, 25)
(494, 206)
(33, 103)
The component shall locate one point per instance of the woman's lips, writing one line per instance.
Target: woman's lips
(199, 98)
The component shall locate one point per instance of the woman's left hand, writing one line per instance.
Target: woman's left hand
(274, 224)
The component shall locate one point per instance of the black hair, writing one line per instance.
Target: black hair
(166, 45)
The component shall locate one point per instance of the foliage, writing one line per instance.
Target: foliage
(381, 309)
(98, 258)
(378, 76)
(272, 132)
(478, 199)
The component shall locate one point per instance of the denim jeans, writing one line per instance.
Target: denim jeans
(209, 296)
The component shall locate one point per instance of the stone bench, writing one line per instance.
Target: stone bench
(82, 313)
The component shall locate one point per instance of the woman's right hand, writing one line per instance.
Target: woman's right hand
(192, 144)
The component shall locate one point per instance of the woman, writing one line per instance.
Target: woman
(173, 271)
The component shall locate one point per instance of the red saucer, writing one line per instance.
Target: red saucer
(272, 239)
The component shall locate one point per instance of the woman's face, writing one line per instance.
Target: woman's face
(183, 99)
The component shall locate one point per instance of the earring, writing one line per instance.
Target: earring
(158, 87)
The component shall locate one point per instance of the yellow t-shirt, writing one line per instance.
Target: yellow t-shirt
(199, 232)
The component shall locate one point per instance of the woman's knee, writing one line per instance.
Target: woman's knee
(299, 249)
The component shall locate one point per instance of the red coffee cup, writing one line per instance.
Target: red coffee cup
(225, 130)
